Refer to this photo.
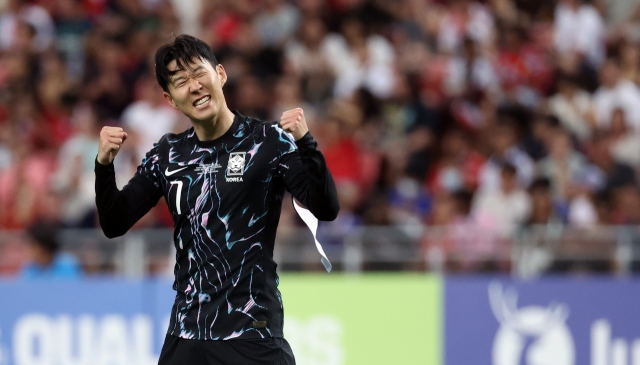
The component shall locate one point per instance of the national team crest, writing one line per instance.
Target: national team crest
(236, 164)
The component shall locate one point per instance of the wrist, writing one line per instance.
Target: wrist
(102, 161)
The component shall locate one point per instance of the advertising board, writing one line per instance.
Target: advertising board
(329, 319)
(552, 321)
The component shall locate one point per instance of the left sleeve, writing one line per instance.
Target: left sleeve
(306, 176)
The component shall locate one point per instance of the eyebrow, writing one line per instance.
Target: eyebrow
(175, 78)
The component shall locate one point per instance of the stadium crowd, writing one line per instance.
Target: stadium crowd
(474, 115)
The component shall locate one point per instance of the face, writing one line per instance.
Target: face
(197, 92)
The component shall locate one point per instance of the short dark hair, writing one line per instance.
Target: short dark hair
(183, 49)
(541, 184)
(509, 169)
(45, 234)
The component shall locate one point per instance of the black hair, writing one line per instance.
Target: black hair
(541, 184)
(45, 235)
(509, 169)
(183, 49)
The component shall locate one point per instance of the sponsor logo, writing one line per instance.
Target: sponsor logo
(169, 173)
(532, 335)
(210, 168)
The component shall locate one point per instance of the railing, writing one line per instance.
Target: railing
(525, 252)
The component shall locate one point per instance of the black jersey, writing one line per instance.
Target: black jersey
(225, 197)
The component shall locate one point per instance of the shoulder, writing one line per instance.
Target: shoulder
(271, 134)
(171, 139)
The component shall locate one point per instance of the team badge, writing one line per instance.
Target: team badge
(236, 164)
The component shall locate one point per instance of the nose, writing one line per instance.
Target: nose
(194, 85)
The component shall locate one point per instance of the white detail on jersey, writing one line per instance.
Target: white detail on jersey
(169, 173)
(179, 192)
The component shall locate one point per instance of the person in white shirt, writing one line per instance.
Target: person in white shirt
(360, 60)
(572, 105)
(616, 92)
(579, 30)
(149, 118)
(505, 149)
(505, 208)
(625, 145)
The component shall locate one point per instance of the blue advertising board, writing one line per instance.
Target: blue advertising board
(88, 322)
(552, 321)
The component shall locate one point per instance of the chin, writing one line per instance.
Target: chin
(203, 115)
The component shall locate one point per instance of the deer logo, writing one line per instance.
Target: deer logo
(532, 335)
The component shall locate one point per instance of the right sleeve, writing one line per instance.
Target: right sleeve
(119, 210)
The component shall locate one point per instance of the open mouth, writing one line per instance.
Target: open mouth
(202, 100)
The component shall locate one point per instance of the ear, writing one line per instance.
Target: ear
(221, 73)
(169, 100)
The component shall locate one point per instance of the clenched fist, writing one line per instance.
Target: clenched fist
(111, 139)
(293, 122)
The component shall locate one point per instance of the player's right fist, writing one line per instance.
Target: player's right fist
(111, 139)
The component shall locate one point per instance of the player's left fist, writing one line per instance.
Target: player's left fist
(293, 122)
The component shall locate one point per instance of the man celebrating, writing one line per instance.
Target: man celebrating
(223, 180)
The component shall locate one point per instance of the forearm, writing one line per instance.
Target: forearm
(111, 203)
(310, 181)
(119, 210)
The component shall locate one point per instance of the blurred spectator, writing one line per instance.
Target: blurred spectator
(471, 72)
(148, 118)
(459, 165)
(465, 18)
(360, 60)
(505, 149)
(23, 12)
(307, 58)
(630, 61)
(625, 144)
(505, 208)
(543, 211)
(74, 179)
(572, 105)
(72, 25)
(276, 22)
(46, 260)
(564, 167)
(609, 174)
(579, 31)
(616, 92)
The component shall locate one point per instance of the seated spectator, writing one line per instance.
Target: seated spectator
(614, 93)
(459, 167)
(625, 145)
(277, 21)
(465, 18)
(543, 211)
(470, 72)
(505, 208)
(630, 61)
(580, 30)
(607, 174)
(149, 118)
(46, 260)
(564, 166)
(74, 179)
(505, 149)
(571, 105)
(360, 60)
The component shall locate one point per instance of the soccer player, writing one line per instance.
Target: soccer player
(223, 180)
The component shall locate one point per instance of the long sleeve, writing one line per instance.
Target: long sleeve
(119, 210)
(307, 177)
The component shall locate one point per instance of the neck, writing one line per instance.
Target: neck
(214, 128)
